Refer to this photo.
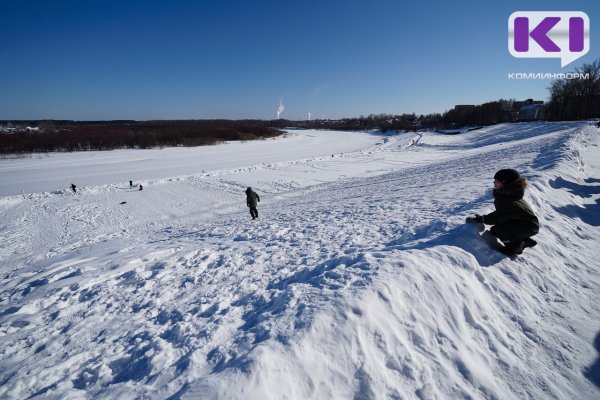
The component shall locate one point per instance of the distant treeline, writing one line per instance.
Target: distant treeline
(485, 114)
(109, 135)
(494, 112)
(384, 122)
(575, 99)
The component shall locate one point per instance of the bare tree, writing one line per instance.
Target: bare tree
(574, 99)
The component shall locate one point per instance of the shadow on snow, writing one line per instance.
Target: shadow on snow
(465, 237)
(593, 372)
(590, 213)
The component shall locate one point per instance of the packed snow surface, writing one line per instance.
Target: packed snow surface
(359, 280)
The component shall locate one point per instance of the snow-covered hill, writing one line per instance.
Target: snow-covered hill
(359, 279)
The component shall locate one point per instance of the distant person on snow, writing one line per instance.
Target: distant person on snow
(514, 222)
(130, 184)
(73, 188)
(252, 200)
(141, 187)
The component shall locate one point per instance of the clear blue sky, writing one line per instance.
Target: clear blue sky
(94, 60)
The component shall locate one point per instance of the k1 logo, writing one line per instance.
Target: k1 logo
(549, 34)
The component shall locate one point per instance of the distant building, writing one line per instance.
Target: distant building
(463, 110)
(529, 110)
(532, 112)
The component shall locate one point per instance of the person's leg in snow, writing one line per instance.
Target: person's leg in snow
(529, 242)
(516, 235)
(512, 244)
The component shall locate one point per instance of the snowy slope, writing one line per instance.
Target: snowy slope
(359, 279)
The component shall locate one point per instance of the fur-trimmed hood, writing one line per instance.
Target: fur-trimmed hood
(515, 189)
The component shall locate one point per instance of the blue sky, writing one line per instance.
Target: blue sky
(96, 60)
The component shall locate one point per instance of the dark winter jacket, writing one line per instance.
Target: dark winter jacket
(252, 198)
(510, 205)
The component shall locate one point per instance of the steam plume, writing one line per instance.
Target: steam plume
(280, 109)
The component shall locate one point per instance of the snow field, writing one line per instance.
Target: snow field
(359, 279)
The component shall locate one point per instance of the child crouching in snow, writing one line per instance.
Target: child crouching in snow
(514, 222)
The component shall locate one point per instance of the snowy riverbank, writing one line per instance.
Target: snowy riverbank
(359, 279)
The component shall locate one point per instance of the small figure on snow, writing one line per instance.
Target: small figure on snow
(252, 200)
(514, 222)
(141, 187)
(73, 188)
(130, 184)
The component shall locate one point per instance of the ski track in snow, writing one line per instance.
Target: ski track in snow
(359, 279)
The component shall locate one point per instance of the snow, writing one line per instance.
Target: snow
(358, 280)
(52, 171)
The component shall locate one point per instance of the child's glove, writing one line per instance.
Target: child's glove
(477, 219)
